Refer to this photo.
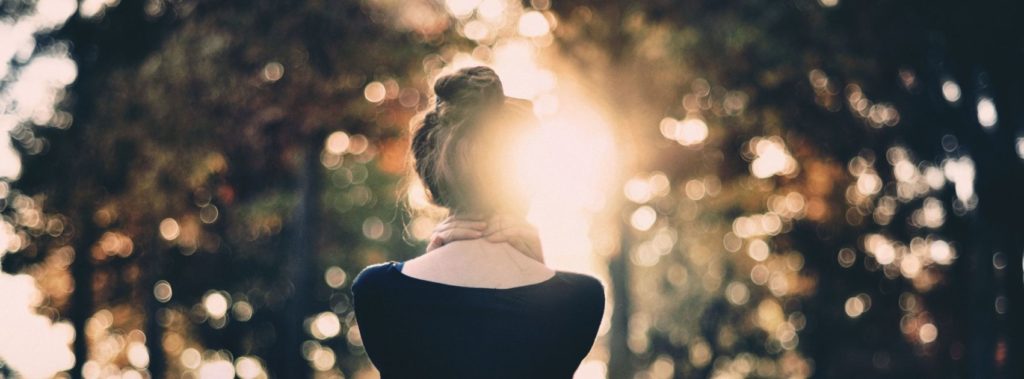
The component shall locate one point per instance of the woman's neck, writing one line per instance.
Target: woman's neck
(477, 263)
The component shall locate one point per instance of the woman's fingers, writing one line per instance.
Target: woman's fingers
(458, 223)
(455, 229)
(435, 242)
(459, 234)
(518, 233)
(447, 236)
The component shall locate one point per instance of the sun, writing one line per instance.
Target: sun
(567, 167)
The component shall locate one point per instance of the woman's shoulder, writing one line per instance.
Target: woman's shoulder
(372, 277)
(580, 279)
(585, 285)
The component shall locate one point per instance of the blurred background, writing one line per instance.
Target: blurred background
(768, 189)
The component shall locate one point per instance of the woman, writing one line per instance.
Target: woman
(480, 303)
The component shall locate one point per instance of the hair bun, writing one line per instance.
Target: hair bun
(458, 138)
(469, 85)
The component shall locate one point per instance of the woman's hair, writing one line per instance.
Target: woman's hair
(459, 141)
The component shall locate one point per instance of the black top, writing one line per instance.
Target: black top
(415, 328)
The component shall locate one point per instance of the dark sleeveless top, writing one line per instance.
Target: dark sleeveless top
(415, 328)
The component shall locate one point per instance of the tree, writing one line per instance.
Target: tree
(187, 140)
(775, 85)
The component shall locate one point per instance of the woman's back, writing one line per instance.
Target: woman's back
(477, 308)
(416, 328)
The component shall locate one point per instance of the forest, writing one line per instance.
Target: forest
(767, 189)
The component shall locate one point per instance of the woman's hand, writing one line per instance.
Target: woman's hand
(454, 229)
(518, 233)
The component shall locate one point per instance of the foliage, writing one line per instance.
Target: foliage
(806, 188)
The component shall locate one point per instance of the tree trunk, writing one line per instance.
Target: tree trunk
(620, 362)
(151, 264)
(82, 297)
(302, 265)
